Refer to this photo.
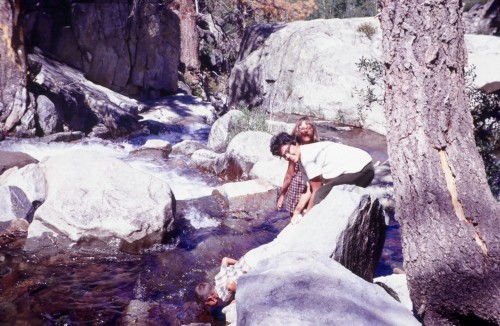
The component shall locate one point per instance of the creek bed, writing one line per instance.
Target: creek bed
(91, 288)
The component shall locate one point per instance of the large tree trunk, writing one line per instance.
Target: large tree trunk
(190, 40)
(449, 218)
(12, 66)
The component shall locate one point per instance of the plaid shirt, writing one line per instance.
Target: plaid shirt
(296, 188)
(226, 274)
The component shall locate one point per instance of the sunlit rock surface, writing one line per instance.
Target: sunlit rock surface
(303, 288)
(244, 150)
(272, 170)
(251, 196)
(205, 160)
(311, 68)
(398, 283)
(96, 197)
(346, 226)
(219, 136)
(30, 178)
(79, 103)
(187, 147)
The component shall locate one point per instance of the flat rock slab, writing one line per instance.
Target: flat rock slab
(301, 288)
(251, 195)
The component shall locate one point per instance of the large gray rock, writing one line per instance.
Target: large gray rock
(346, 226)
(129, 48)
(309, 68)
(205, 160)
(48, 117)
(301, 288)
(399, 284)
(188, 147)
(244, 150)
(81, 103)
(13, 204)
(30, 179)
(273, 170)
(482, 52)
(152, 147)
(251, 195)
(94, 198)
(218, 138)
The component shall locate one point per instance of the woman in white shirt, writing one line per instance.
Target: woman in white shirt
(326, 164)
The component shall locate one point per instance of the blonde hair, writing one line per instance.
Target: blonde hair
(309, 122)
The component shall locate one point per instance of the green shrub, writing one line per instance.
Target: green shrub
(372, 71)
(344, 9)
(252, 120)
(485, 111)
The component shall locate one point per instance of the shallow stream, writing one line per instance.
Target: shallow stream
(94, 289)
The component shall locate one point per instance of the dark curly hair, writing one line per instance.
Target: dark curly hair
(278, 141)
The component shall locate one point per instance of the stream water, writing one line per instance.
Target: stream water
(157, 285)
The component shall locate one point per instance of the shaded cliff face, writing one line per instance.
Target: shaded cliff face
(131, 49)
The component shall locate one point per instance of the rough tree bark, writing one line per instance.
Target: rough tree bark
(190, 40)
(449, 219)
(12, 66)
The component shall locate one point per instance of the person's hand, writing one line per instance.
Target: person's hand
(280, 201)
(296, 218)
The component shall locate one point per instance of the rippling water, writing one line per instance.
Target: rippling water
(96, 289)
(157, 285)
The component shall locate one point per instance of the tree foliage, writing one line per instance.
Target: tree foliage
(277, 10)
(485, 110)
(344, 8)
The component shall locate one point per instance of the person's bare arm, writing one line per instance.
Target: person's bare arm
(315, 184)
(226, 261)
(231, 286)
(303, 201)
(286, 183)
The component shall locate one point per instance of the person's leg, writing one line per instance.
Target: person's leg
(362, 178)
(324, 190)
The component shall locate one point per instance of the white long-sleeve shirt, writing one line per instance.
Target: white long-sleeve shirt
(330, 160)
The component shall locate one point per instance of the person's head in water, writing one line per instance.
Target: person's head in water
(205, 294)
(305, 131)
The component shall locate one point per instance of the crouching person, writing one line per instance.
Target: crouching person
(326, 164)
